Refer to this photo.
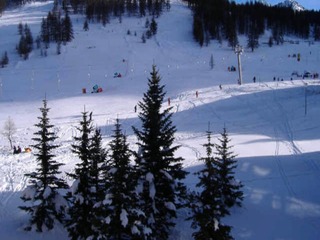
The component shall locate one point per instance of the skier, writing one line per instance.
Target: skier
(14, 150)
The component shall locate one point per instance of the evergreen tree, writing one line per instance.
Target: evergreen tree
(57, 34)
(98, 183)
(121, 199)
(44, 33)
(20, 28)
(230, 187)
(28, 38)
(211, 62)
(86, 25)
(148, 34)
(207, 205)
(22, 48)
(80, 225)
(277, 34)
(67, 29)
(98, 158)
(58, 48)
(143, 38)
(142, 8)
(147, 23)
(153, 27)
(253, 38)
(38, 42)
(159, 173)
(316, 32)
(4, 60)
(231, 32)
(26, 42)
(47, 204)
(198, 32)
(52, 24)
(270, 42)
(2, 5)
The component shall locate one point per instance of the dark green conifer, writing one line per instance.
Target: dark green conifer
(120, 204)
(230, 187)
(79, 225)
(44, 191)
(159, 172)
(207, 204)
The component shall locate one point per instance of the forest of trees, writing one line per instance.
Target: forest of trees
(118, 193)
(221, 20)
(101, 11)
(225, 20)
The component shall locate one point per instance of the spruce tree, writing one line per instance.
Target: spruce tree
(44, 33)
(316, 32)
(98, 183)
(206, 205)
(120, 201)
(159, 172)
(86, 25)
(67, 29)
(142, 8)
(98, 158)
(198, 32)
(23, 48)
(4, 60)
(20, 28)
(211, 62)
(28, 38)
(44, 192)
(230, 187)
(231, 32)
(253, 37)
(153, 27)
(79, 225)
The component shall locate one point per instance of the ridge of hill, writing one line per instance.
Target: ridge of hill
(291, 4)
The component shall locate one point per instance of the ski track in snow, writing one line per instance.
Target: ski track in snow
(13, 180)
(282, 131)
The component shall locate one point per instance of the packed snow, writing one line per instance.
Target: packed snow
(273, 123)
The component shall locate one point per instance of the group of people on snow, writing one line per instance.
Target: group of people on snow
(17, 150)
(96, 89)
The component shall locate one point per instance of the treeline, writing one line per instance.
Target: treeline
(54, 28)
(101, 10)
(224, 20)
(120, 194)
(12, 3)
(2, 6)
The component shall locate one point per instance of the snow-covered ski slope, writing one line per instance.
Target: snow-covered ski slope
(274, 125)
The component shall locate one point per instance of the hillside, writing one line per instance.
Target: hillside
(274, 125)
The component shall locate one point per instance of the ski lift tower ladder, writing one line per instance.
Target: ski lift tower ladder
(239, 50)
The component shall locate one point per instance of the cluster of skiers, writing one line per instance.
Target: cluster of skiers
(16, 150)
(96, 89)
(117, 75)
(232, 69)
